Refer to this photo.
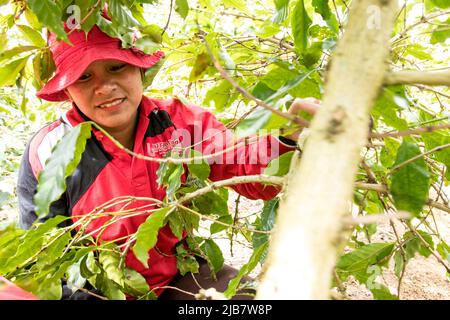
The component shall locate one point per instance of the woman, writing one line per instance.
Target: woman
(104, 84)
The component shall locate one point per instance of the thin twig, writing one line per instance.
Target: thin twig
(296, 119)
(410, 132)
(427, 245)
(424, 19)
(168, 19)
(261, 178)
(400, 165)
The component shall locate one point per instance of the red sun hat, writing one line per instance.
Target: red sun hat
(72, 60)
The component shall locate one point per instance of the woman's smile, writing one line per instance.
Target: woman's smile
(112, 105)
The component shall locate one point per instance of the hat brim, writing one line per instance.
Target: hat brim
(53, 90)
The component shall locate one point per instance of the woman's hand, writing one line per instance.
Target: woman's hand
(309, 105)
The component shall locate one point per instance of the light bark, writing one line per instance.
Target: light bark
(431, 78)
(304, 246)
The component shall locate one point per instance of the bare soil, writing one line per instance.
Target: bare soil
(424, 278)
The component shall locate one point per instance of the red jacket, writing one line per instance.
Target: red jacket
(10, 291)
(106, 172)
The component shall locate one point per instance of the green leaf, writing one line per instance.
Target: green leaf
(146, 44)
(176, 224)
(174, 180)
(444, 250)
(415, 245)
(202, 62)
(357, 261)
(274, 80)
(265, 223)
(63, 161)
(182, 8)
(89, 266)
(389, 152)
(381, 292)
(10, 239)
(87, 7)
(135, 283)
(121, 15)
(282, 11)
(50, 289)
(9, 72)
(245, 270)
(280, 165)
(224, 56)
(109, 261)
(55, 250)
(32, 20)
(49, 13)
(387, 108)
(192, 220)
(198, 168)
(300, 25)
(213, 254)
(217, 227)
(261, 118)
(240, 5)
(399, 263)
(220, 96)
(147, 234)
(109, 288)
(186, 262)
(30, 244)
(214, 202)
(288, 86)
(434, 140)
(5, 56)
(75, 280)
(253, 122)
(441, 3)
(33, 36)
(165, 169)
(151, 73)
(411, 182)
(322, 7)
(312, 55)
(418, 51)
(3, 40)
(440, 36)
(153, 31)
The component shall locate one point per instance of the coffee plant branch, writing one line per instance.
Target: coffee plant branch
(400, 165)
(296, 119)
(424, 19)
(330, 157)
(410, 132)
(432, 78)
(198, 159)
(266, 179)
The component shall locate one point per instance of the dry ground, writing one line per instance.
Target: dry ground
(425, 278)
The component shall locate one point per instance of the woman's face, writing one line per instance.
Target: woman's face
(109, 93)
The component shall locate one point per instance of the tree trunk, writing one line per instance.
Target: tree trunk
(319, 191)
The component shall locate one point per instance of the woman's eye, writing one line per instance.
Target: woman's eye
(118, 67)
(84, 77)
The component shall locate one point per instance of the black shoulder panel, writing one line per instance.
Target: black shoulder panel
(27, 188)
(159, 122)
(92, 162)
